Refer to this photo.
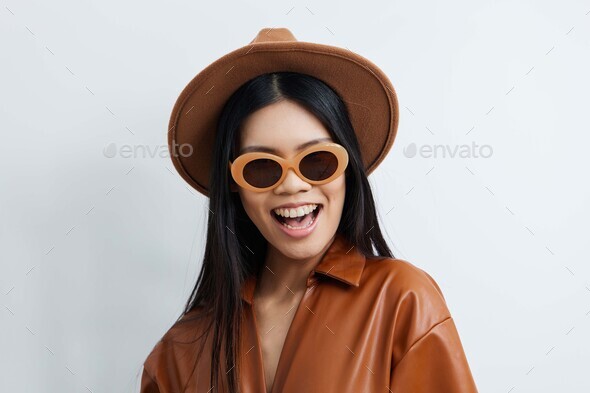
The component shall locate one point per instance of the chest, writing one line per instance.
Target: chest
(331, 341)
(272, 325)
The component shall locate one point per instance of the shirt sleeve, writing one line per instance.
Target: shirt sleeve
(148, 385)
(434, 363)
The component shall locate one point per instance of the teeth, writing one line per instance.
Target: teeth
(307, 226)
(298, 212)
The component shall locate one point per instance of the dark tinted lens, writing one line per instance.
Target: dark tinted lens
(318, 165)
(262, 173)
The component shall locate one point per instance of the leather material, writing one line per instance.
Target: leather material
(363, 325)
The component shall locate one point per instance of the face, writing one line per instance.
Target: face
(283, 126)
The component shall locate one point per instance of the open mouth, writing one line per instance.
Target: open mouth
(299, 221)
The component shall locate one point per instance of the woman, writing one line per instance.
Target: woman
(298, 291)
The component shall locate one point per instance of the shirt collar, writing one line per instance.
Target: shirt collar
(342, 261)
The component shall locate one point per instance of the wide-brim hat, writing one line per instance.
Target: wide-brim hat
(369, 96)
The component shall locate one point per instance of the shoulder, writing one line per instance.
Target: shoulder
(402, 277)
(177, 344)
(414, 300)
(412, 293)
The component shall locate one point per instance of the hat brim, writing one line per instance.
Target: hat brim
(368, 93)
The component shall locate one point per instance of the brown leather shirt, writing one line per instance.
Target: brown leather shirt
(363, 325)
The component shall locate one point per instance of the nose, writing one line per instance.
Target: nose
(292, 183)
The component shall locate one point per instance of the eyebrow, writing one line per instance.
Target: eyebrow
(273, 151)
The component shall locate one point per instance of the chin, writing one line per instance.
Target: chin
(304, 250)
(300, 249)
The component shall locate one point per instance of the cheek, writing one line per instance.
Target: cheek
(336, 190)
(251, 203)
(335, 193)
(246, 201)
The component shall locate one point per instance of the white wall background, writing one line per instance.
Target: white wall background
(98, 254)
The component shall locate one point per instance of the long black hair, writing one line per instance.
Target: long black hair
(235, 247)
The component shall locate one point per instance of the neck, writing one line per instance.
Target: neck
(283, 277)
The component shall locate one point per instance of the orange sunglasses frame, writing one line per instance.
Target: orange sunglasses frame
(237, 166)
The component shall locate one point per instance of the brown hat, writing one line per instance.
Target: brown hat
(368, 93)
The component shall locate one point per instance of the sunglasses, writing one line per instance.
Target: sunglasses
(318, 164)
